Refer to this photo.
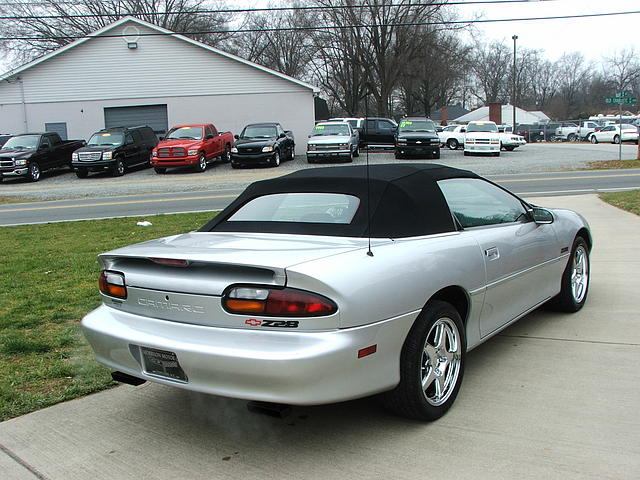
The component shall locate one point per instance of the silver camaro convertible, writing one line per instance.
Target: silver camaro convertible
(330, 284)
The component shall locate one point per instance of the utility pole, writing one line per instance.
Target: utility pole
(513, 92)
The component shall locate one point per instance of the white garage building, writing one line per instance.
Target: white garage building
(149, 76)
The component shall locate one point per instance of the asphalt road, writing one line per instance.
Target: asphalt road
(555, 396)
(548, 183)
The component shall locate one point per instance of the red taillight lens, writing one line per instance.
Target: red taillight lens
(172, 262)
(286, 302)
(112, 284)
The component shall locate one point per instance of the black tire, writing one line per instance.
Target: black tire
(349, 158)
(453, 144)
(311, 160)
(509, 149)
(398, 155)
(593, 139)
(616, 139)
(226, 154)
(34, 172)
(160, 169)
(118, 168)
(436, 155)
(431, 364)
(82, 173)
(575, 280)
(275, 159)
(201, 166)
(292, 154)
(235, 165)
(356, 152)
(572, 137)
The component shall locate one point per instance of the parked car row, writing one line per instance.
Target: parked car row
(117, 149)
(485, 137)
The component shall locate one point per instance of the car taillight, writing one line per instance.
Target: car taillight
(286, 302)
(112, 284)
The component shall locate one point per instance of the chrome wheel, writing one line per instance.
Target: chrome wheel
(118, 169)
(275, 160)
(452, 144)
(593, 139)
(440, 361)
(616, 139)
(34, 171)
(579, 274)
(202, 163)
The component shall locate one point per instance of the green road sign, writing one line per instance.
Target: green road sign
(622, 94)
(619, 100)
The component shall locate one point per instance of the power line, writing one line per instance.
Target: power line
(244, 10)
(326, 27)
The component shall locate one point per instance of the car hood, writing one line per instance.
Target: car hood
(329, 139)
(97, 148)
(254, 143)
(179, 143)
(417, 135)
(231, 257)
(16, 152)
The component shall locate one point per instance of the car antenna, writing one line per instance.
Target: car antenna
(366, 131)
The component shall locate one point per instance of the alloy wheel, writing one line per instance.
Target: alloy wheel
(441, 361)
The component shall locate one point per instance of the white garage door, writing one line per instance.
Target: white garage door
(153, 115)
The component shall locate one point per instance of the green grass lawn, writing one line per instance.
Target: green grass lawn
(613, 164)
(629, 201)
(48, 282)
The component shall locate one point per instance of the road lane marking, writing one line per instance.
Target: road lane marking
(103, 204)
(581, 177)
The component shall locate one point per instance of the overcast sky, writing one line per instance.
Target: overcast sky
(594, 37)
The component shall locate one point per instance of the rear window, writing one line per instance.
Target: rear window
(299, 208)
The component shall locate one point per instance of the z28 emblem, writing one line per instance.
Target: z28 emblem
(253, 322)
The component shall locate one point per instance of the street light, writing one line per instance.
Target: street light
(513, 92)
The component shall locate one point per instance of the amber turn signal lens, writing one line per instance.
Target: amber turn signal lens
(245, 306)
(112, 284)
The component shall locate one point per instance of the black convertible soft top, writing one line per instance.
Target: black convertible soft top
(404, 200)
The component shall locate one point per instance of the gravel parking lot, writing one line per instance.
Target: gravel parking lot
(535, 157)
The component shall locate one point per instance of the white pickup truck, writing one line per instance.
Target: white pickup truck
(567, 132)
(586, 128)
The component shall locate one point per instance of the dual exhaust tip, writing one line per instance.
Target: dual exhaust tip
(277, 410)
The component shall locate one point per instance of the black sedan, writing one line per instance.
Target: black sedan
(262, 144)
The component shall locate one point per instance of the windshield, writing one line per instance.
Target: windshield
(331, 129)
(300, 208)
(482, 127)
(259, 132)
(99, 139)
(417, 126)
(22, 141)
(184, 133)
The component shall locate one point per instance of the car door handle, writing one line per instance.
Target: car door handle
(492, 253)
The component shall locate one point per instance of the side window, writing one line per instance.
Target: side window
(214, 132)
(137, 136)
(128, 139)
(371, 124)
(476, 202)
(45, 142)
(385, 125)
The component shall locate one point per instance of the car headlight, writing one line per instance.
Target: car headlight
(268, 149)
(74, 156)
(470, 142)
(107, 155)
(154, 154)
(20, 163)
(234, 150)
(192, 152)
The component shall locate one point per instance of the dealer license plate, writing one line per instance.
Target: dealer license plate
(162, 363)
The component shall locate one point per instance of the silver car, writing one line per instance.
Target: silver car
(336, 283)
(333, 141)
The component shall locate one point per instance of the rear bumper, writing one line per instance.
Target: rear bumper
(298, 368)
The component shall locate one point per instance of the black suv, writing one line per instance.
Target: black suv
(115, 149)
(417, 136)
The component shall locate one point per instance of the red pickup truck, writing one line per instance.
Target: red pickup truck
(196, 145)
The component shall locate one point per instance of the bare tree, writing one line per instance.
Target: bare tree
(622, 69)
(287, 51)
(35, 34)
(491, 67)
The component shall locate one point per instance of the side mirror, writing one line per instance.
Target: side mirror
(209, 137)
(44, 147)
(237, 137)
(160, 138)
(282, 135)
(541, 215)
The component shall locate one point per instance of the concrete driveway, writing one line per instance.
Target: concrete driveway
(555, 396)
